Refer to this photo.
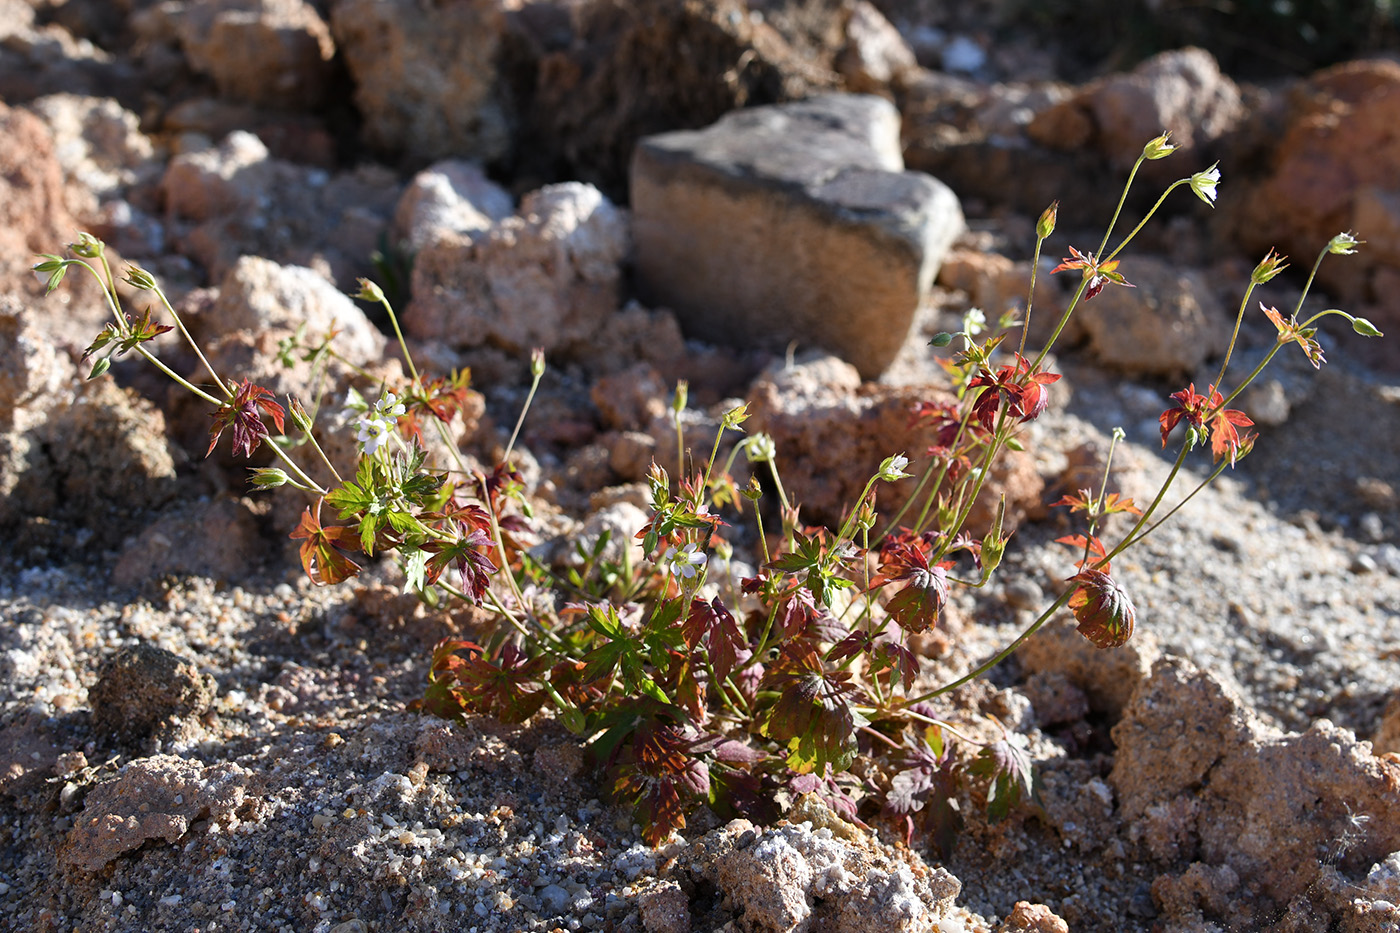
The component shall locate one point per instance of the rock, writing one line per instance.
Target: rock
(1166, 326)
(997, 284)
(258, 295)
(1108, 678)
(45, 58)
(155, 798)
(1026, 917)
(450, 197)
(875, 55)
(426, 82)
(797, 878)
(216, 539)
(600, 76)
(98, 459)
(235, 200)
(791, 223)
(1330, 168)
(28, 755)
(101, 148)
(143, 691)
(34, 219)
(273, 53)
(1055, 697)
(665, 909)
(1263, 804)
(1181, 91)
(1387, 738)
(832, 433)
(631, 399)
(547, 278)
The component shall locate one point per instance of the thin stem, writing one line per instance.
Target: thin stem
(1234, 335)
(194, 346)
(1030, 296)
(1119, 209)
(1142, 223)
(942, 724)
(524, 409)
(403, 345)
(1147, 513)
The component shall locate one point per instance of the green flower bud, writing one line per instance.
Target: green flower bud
(269, 477)
(1270, 266)
(87, 246)
(1365, 328)
(369, 291)
(101, 366)
(1046, 224)
(1158, 148)
(1343, 244)
(537, 362)
(941, 340)
(137, 277)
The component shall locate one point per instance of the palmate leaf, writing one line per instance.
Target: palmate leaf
(663, 778)
(927, 785)
(321, 556)
(711, 624)
(244, 413)
(1012, 774)
(814, 714)
(507, 688)
(469, 555)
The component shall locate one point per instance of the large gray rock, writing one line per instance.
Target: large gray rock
(794, 222)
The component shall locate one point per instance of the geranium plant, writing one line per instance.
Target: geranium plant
(697, 690)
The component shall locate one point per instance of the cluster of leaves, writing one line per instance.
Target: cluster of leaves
(693, 688)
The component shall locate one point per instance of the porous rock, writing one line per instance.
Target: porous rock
(34, 219)
(793, 222)
(1026, 917)
(875, 55)
(1107, 678)
(794, 877)
(258, 295)
(1387, 738)
(426, 82)
(548, 277)
(1332, 168)
(1166, 326)
(274, 53)
(234, 200)
(99, 145)
(832, 432)
(1182, 92)
(142, 690)
(213, 538)
(99, 458)
(1265, 804)
(156, 798)
(601, 75)
(449, 197)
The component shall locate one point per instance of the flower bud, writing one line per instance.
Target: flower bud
(735, 416)
(51, 271)
(1270, 266)
(269, 478)
(760, 448)
(1365, 328)
(86, 246)
(753, 491)
(1158, 148)
(137, 277)
(1343, 244)
(678, 400)
(941, 340)
(1046, 224)
(893, 468)
(369, 291)
(300, 418)
(537, 362)
(101, 366)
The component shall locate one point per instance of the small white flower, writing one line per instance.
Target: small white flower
(893, 468)
(1203, 183)
(1343, 244)
(760, 448)
(974, 322)
(377, 427)
(685, 562)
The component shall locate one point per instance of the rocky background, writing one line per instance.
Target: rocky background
(779, 201)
